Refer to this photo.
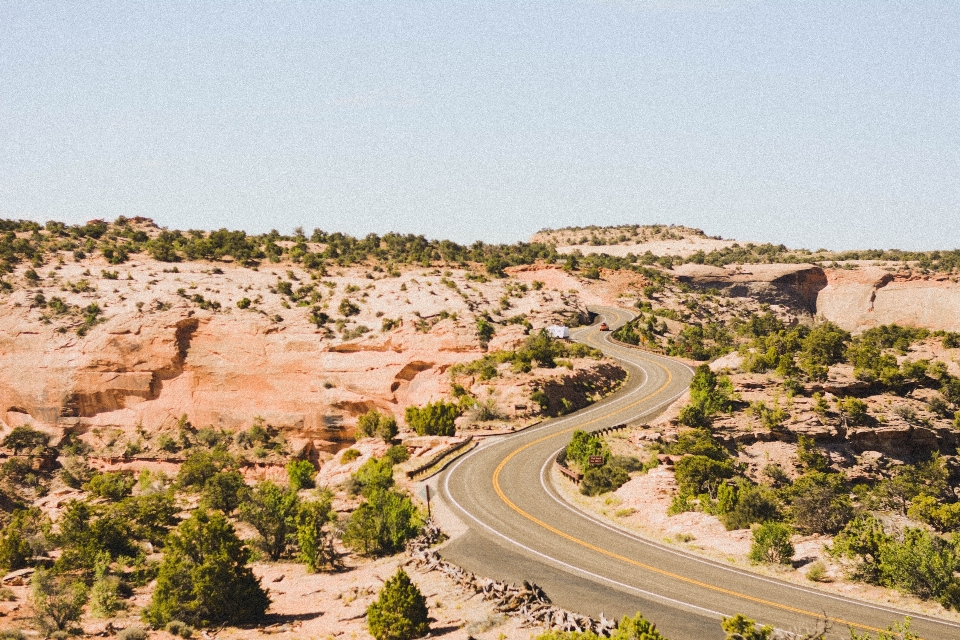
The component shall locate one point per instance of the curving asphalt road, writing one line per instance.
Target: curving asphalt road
(520, 528)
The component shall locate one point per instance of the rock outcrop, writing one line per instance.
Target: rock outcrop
(795, 286)
(858, 299)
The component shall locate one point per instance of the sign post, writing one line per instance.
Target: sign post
(425, 494)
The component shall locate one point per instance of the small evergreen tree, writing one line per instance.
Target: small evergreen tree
(57, 600)
(771, 543)
(204, 578)
(316, 527)
(400, 612)
(381, 525)
(300, 474)
(272, 511)
(374, 424)
(740, 627)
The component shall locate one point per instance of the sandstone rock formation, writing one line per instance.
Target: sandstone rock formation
(792, 285)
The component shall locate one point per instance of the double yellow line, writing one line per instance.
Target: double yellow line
(641, 565)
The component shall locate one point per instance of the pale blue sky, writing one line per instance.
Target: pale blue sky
(832, 124)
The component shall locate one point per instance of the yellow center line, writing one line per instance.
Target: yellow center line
(583, 543)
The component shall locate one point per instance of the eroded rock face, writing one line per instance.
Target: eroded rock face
(219, 371)
(796, 286)
(871, 296)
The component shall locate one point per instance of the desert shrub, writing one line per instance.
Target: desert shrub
(112, 485)
(435, 419)
(397, 453)
(698, 442)
(942, 517)
(86, 531)
(710, 394)
(375, 473)
(316, 529)
(382, 524)
(300, 473)
(921, 564)
(105, 594)
(858, 547)
(204, 578)
(817, 572)
(399, 612)
(132, 633)
(771, 417)
(771, 543)
(349, 455)
(272, 511)
(12, 634)
(819, 503)
(752, 504)
(853, 409)
(699, 474)
(58, 600)
(201, 466)
(809, 456)
(180, 629)
(223, 491)
(25, 438)
(26, 535)
(599, 480)
(896, 631)
(374, 424)
(740, 627)
(929, 478)
(582, 445)
(348, 308)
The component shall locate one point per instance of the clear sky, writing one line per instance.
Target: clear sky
(814, 124)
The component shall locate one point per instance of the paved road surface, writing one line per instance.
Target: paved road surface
(519, 528)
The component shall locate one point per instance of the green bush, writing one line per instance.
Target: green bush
(300, 474)
(382, 524)
(699, 474)
(710, 395)
(25, 536)
(740, 627)
(105, 594)
(435, 419)
(349, 455)
(400, 611)
(132, 633)
(582, 445)
(752, 504)
(819, 503)
(858, 546)
(58, 600)
(180, 629)
(603, 479)
(112, 485)
(25, 437)
(223, 491)
(202, 465)
(374, 424)
(316, 526)
(375, 473)
(921, 564)
(397, 453)
(771, 543)
(272, 510)
(204, 579)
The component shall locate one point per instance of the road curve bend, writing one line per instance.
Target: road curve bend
(520, 528)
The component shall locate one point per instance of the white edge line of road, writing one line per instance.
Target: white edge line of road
(572, 568)
(555, 496)
(687, 556)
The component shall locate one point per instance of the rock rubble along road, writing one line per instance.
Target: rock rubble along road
(518, 527)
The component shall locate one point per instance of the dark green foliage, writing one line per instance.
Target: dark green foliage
(374, 424)
(86, 531)
(112, 485)
(485, 331)
(301, 474)
(400, 611)
(316, 526)
(202, 465)
(751, 504)
(583, 445)
(374, 474)
(25, 438)
(26, 535)
(701, 342)
(204, 579)
(58, 600)
(348, 308)
(819, 503)
(710, 394)
(859, 545)
(740, 627)
(599, 480)
(272, 510)
(223, 491)
(771, 543)
(698, 442)
(397, 453)
(921, 563)
(435, 419)
(382, 524)
(929, 478)
(699, 474)
(809, 456)
(853, 410)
